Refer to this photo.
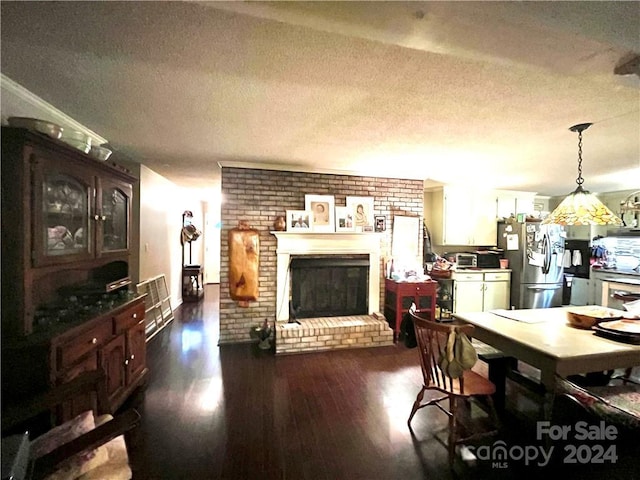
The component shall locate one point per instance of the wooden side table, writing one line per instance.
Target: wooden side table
(192, 283)
(398, 297)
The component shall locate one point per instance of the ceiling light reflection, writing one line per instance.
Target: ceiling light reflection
(191, 340)
(211, 396)
(394, 395)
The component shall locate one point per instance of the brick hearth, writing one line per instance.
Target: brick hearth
(332, 333)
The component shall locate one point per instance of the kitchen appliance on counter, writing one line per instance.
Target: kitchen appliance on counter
(466, 260)
(535, 253)
(489, 258)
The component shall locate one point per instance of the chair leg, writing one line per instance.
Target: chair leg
(453, 426)
(493, 412)
(416, 405)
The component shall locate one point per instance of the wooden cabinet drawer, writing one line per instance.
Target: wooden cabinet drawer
(79, 403)
(128, 318)
(497, 276)
(70, 352)
(467, 277)
(90, 362)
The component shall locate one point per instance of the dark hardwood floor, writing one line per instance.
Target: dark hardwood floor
(237, 412)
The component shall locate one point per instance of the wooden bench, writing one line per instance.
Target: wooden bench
(499, 365)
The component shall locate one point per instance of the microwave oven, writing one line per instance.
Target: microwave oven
(488, 259)
(466, 260)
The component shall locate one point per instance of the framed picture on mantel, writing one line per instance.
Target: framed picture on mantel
(322, 208)
(362, 208)
(344, 219)
(299, 221)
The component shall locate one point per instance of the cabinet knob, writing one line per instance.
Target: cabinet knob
(103, 218)
(126, 362)
(132, 357)
(135, 315)
(96, 217)
(94, 340)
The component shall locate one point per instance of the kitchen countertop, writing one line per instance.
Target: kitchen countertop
(602, 271)
(623, 281)
(445, 274)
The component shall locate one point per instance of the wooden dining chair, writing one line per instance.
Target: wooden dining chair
(432, 339)
(90, 446)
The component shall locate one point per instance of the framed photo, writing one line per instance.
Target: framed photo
(299, 221)
(381, 223)
(344, 219)
(362, 209)
(322, 208)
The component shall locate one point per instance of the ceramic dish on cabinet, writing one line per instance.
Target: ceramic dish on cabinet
(100, 152)
(77, 139)
(42, 126)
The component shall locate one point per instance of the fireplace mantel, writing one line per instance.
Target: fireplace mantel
(339, 243)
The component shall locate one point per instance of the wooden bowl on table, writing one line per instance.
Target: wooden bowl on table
(590, 315)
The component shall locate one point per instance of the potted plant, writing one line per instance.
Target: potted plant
(263, 334)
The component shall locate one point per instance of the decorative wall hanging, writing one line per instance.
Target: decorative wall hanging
(244, 259)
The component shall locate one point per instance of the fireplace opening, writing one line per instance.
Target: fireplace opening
(329, 285)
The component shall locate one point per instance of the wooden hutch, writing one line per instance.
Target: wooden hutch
(66, 302)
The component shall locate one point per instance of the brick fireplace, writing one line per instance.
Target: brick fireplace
(329, 285)
(325, 244)
(334, 332)
(259, 196)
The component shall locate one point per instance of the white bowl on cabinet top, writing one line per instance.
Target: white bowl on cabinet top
(100, 152)
(77, 139)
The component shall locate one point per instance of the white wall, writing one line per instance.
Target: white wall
(212, 232)
(161, 206)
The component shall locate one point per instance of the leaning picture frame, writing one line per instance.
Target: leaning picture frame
(344, 219)
(381, 223)
(299, 221)
(322, 208)
(362, 210)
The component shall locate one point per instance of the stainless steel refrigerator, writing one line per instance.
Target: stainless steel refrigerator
(535, 253)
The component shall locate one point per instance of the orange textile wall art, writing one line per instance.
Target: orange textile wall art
(244, 258)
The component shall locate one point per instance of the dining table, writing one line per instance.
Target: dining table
(544, 339)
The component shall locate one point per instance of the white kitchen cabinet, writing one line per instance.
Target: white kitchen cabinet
(597, 277)
(468, 295)
(512, 202)
(497, 289)
(460, 216)
(581, 291)
(585, 232)
(480, 291)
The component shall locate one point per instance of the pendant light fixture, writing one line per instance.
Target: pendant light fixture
(581, 207)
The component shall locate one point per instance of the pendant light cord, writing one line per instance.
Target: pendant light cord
(580, 128)
(580, 180)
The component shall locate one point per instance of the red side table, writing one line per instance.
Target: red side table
(398, 297)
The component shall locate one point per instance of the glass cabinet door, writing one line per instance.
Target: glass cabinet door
(114, 210)
(62, 223)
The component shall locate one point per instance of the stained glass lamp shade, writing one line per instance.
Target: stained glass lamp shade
(581, 207)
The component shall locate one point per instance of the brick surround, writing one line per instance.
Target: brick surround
(259, 196)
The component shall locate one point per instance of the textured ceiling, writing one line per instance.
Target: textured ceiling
(447, 92)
